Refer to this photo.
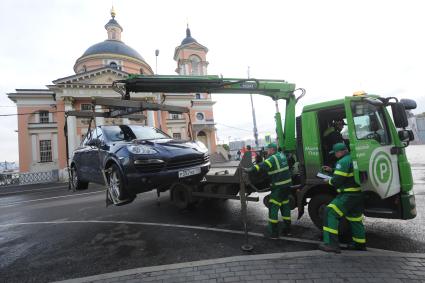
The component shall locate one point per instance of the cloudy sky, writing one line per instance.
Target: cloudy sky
(330, 48)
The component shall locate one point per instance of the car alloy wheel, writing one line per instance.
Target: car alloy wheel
(76, 183)
(74, 178)
(114, 186)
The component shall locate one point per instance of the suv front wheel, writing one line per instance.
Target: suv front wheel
(116, 188)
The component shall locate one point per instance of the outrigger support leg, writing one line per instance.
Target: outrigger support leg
(158, 195)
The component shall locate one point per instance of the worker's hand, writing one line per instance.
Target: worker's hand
(247, 170)
(326, 168)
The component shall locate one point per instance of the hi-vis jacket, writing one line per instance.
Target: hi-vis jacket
(343, 176)
(277, 168)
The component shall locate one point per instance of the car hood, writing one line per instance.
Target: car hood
(171, 145)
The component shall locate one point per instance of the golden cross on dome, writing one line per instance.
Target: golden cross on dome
(113, 12)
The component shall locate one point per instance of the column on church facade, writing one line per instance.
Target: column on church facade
(72, 127)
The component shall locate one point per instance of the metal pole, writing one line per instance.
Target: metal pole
(246, 247)
(158, 113)
(254, 120)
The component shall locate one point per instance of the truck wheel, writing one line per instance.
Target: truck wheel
(316, 211)
(181, 196)
(316, 208)
(266, 200)
(116, 187)
(76, 183)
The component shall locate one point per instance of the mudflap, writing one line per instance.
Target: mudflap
(300, 204)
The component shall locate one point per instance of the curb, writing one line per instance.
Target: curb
(371, 252)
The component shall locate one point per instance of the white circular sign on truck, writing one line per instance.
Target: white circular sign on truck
(383, 172)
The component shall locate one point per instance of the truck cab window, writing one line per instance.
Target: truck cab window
(370, 123)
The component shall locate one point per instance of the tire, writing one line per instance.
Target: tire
(316, 211)
(180, 197)
(116, 187)
(76, 183)
(266, 200)
(316, 208)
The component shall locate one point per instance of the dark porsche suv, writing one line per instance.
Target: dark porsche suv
(136, 159)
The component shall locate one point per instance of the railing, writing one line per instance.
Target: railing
(8, 179)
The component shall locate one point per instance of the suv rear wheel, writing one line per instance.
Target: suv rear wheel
(76, 183)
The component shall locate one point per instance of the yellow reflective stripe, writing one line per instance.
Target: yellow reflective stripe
(285, 201)
(277, 161)
(337, 210)
(286, 217)
(275, 202)
(354, 219)
(344, 174)
(257, 167)
(273, 221)
(282, 182)
(358, 240)
(268, 163)
(352, 189)
(330, 230)
(328, 131)
(278, 170)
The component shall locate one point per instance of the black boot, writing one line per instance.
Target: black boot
(329, 248)
(356, 247)
(272, 232)
(285, 229)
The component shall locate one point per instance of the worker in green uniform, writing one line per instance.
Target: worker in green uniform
(348, 203)
(277, 168)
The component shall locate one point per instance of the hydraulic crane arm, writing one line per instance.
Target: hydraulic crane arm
(275, 89)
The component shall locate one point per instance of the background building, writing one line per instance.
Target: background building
(41, 111)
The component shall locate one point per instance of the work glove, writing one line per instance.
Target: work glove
(247, 170)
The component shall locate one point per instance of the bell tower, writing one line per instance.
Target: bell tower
(191, 57)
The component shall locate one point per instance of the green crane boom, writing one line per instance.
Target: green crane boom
(275, 89)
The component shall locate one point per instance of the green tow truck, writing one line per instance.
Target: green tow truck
(376, 137)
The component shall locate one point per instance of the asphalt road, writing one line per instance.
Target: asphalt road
(48, 233)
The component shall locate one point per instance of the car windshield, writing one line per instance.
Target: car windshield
(128, 133)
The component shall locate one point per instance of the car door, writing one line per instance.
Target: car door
(96, 155)
(375, 167)
(80, 158)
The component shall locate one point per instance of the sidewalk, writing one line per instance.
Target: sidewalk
(308, 266)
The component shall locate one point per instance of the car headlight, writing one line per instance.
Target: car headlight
(202, 146)
(141, 149)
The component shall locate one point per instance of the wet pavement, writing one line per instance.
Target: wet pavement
(49, 233)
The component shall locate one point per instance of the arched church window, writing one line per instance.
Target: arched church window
(195, 62)
(141, 71)
(113, 34)
(198, 96)
(113, 65)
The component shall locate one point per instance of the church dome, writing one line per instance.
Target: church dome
(112, 47)
(188, 39)
(112, 53)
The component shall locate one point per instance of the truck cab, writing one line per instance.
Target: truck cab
(376, 138)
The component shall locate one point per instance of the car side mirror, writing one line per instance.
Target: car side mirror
(399, 115)
(406, 135)
(409, 104)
